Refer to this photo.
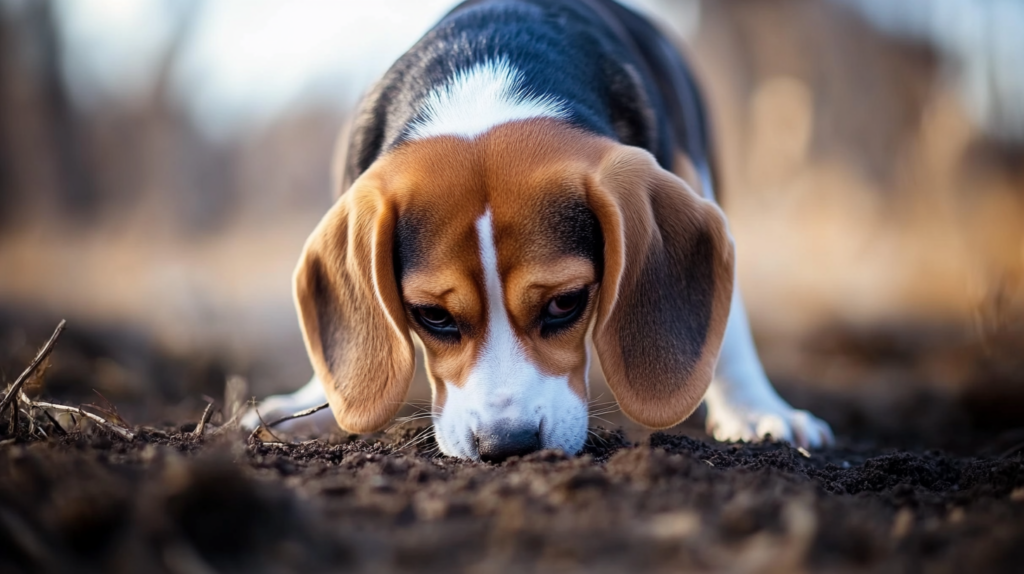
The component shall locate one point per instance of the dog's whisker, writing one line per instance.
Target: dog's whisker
(418, 440)
(426, 435)
(399, 423)
(417, 443)
(420, 410)
(416, 417)
(597, 436)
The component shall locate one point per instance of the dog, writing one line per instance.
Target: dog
(531, 175)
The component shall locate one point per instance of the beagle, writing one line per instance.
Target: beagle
(530, 175)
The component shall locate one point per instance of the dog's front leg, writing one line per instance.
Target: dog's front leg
(741, 402)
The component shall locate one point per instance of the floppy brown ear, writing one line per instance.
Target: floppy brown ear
(352, 317)
(666, 287)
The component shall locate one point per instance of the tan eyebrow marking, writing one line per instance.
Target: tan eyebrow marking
(564, 273)
(429, 294)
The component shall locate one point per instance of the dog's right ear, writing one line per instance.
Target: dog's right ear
(666, 287)
(352, 317)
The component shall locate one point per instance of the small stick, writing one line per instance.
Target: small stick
(231, 423)
(34, 427)
(122, 432)
(263, 425)
(13, 428)
(299, 414)
(56, 424)
(40, 357)
(198, 432)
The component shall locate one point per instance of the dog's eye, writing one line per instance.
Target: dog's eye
(563, 305)
(437, 320)
(563, 310)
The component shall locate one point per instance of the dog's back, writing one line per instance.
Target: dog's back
(620, 75)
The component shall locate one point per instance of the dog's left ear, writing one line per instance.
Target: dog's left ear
(350, 311)
(665, 290)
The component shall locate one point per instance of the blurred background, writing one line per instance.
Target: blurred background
(162, 162)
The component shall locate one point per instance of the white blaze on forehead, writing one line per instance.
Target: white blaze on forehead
(473, 101)
(502, 352)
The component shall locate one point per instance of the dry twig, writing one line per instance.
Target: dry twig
(298, 415)
(108, 411)
(230, 424)
(55, 424)
(12, 429)
(262, 427)
(198, 432)
(120, 431)
(40, 357)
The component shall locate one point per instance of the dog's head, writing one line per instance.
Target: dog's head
(501, 253)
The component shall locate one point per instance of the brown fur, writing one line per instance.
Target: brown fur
(521, 172)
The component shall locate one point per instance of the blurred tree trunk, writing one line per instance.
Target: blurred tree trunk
(78, 195)
(42, 162)
(6, 153)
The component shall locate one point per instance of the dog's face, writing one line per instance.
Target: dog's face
(501, 253)
(499, 274)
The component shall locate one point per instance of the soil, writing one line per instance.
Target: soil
(170, 502)
(85, 500)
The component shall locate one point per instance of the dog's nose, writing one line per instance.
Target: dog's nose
(503, 439)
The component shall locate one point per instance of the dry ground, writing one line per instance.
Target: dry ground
(170, 502)
(77, 497)
(919, 484)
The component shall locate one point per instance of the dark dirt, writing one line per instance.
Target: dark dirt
(915, 486)
(171, 502)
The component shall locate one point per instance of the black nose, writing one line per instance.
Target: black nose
(503, 439)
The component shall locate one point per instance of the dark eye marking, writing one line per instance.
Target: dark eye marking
(562, 311)
(437, 322)
(409, 244)
(573, 229)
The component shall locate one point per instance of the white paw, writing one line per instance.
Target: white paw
(755, 420)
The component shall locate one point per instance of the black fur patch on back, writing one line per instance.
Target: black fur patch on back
(599, 58)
